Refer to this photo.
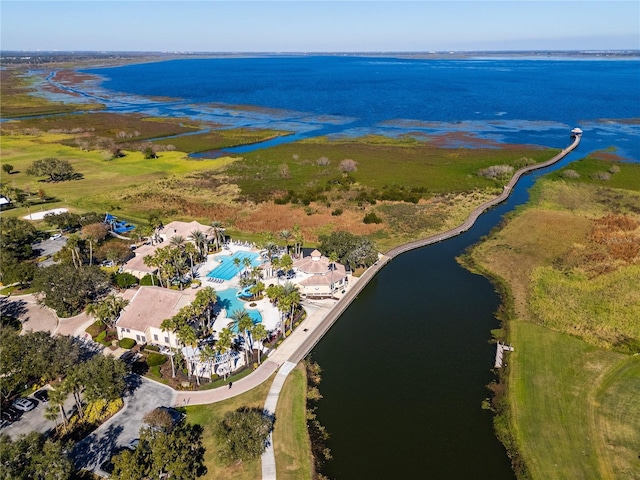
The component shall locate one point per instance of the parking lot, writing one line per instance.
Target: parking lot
(34, 420)
(91, 452)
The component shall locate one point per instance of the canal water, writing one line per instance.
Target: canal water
(405, 367)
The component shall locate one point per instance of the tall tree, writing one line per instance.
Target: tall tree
(176, 453)
(57, 170)
(243, 434)
(33, 457)
(68, 290)
(259, 333)
(200, 241)
(217, 232)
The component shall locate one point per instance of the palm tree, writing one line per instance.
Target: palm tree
(217, 232)
(224, 345)
(236, 262)
(286, 236)
(57, 397)
(108, 309)
(291, 297)
(177, 241)
(259, 333)
(190, 250)
(243, 323)
(205, 301)
(246, 263)
(200, 241)
(297, 240)
(275, 265)
(256, 290)
(333, 258)
(208, 356)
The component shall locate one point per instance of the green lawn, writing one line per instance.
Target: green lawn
(572, 406)
(100, 177)
(290, 436)
(291, 441)
(209, 416)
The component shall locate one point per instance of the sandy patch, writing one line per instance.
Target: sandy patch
(41, 215)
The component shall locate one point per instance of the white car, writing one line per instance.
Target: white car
(55, 236)
(24, 404)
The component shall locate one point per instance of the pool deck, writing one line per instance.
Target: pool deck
(270, 314)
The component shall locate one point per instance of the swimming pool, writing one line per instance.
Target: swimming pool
(227, 269)
(228, 300)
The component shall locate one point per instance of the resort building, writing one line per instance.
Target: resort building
(321, 276)
(182, 229)
(148, 308)
(136, 266)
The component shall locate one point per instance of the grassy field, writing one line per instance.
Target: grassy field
(570, 260)
(572, 406)
(291, 443)
(381, 163)
(290, 437)
(177, 187)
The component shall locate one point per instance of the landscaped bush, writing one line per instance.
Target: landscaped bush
(125, 280)
(153, 348)
(148, 281)
(127, 343)
(101, 337)
(156, 359)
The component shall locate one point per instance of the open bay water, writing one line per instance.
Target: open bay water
(405, 367)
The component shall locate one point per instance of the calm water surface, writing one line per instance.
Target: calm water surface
(406, 365)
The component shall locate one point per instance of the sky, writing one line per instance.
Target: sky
(319, 26)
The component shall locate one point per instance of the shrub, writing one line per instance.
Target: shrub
(148, 281)
(127, 343)
(347, 165)
(614, 169)
(125, 280)
(496, 171)
(152, 348)
(371, 218)
(602, 176)
(156, 359)
(337, 212)
(570, 174)
(323, 161)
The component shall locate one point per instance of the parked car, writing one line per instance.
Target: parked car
(42, 395)
(10, 415)
(133, 443)
(24, 404)
(55, 236)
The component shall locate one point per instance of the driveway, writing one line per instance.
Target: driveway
(33, 316)
(91, 452)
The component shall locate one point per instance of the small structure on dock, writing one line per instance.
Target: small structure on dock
(501, 348)
(576, 132)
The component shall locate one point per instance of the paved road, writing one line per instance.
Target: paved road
(91, 452)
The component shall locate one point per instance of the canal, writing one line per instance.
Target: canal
(405, 367)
